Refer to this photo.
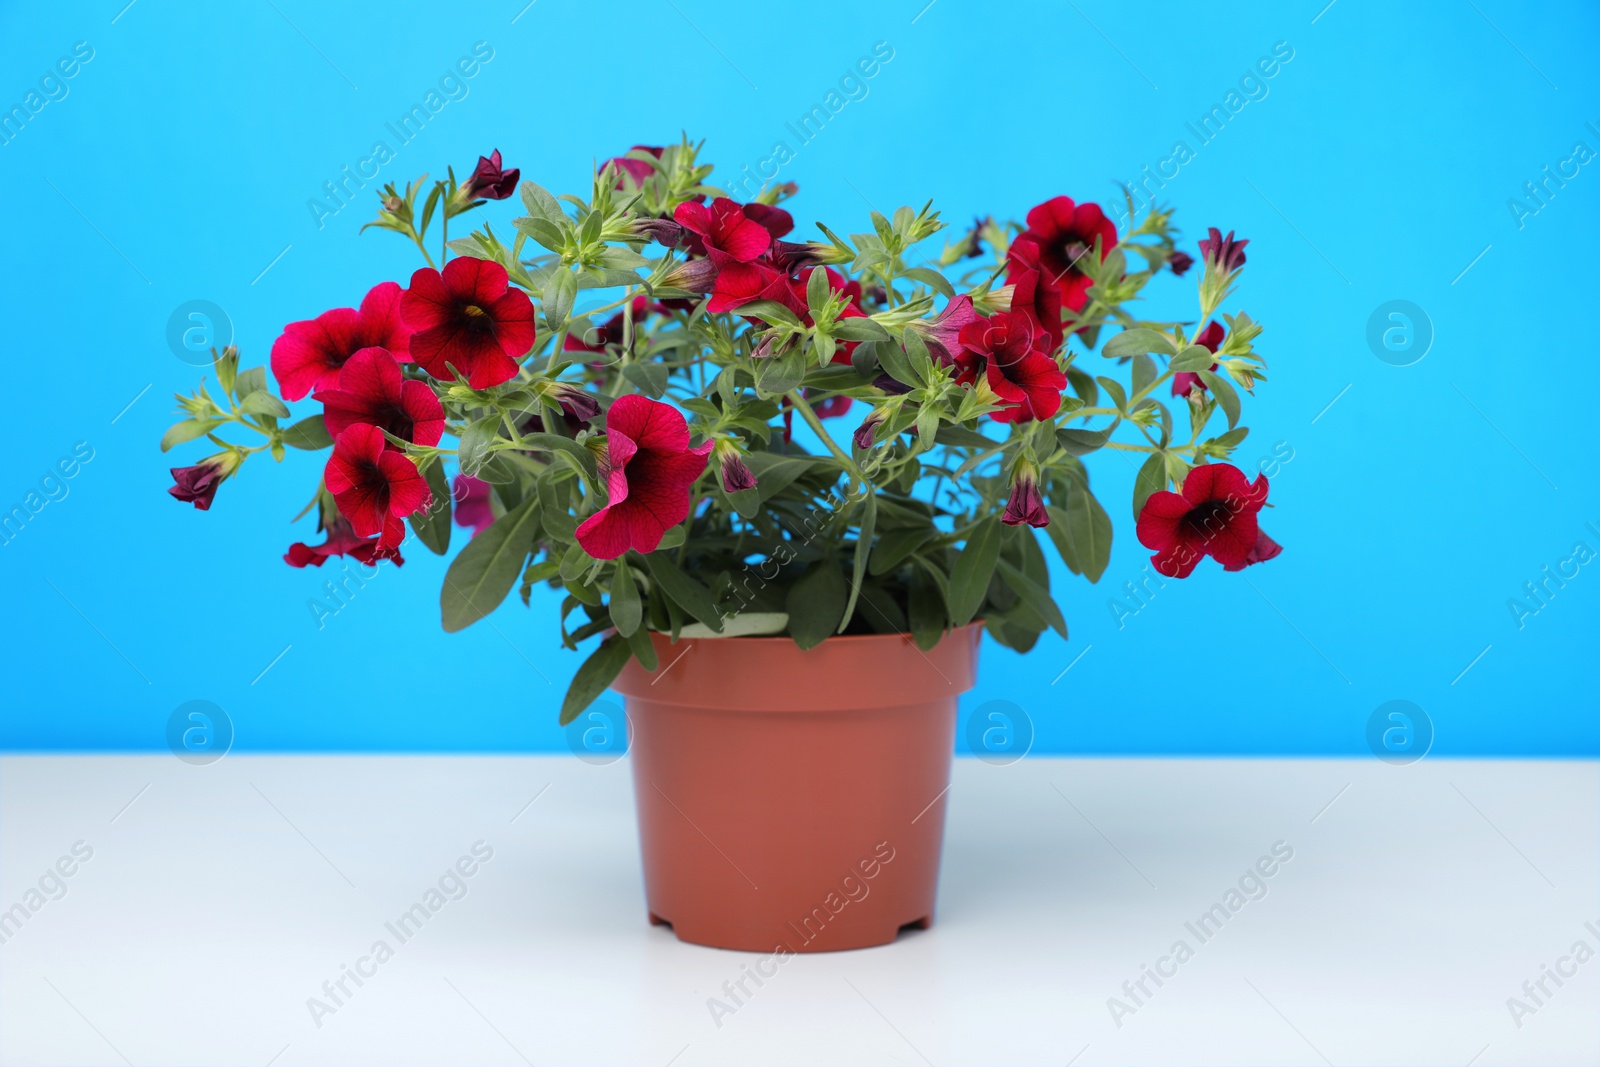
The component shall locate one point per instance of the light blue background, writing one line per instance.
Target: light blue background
(1378, 167)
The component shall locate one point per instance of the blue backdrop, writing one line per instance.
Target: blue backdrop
(1383, 160)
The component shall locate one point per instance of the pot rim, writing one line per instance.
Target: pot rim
(975, 624)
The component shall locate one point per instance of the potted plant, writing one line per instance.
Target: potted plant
(783, 483)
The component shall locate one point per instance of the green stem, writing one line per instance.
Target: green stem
(815, 423)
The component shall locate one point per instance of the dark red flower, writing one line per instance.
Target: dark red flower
(1025, 505)
(342, 541)
(472, 504)
(637, 169)
(489, 181)
(739, 283)
(374, 487)
(942, 332)
(775, 220)
(1066, 232)
(834, 406)
(198, 484)
(309, 354)
(725, 232)
(1006, 349)
(1185, 380)
(1224, 253)
(648, 468)
(470, 318)
(1265, 548)
(372, 389)
(1030, 293)
(1180, 262)
(1215, 515)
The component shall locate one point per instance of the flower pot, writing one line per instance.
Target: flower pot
(794, 800)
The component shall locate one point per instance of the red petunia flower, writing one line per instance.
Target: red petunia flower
(1215, 515)
(775, 220)
(470, 318)
(726, 233)
(489, 181)
(943, 332)
(1005, 348)
(637, 169)
(309, 354)
(1065, 232)
(374, 487)
(472, 504)
(1031, 293)
(1185, 380)
(739, 283)
(372, 389)
(648, 468)
(834, 406)
(342, 541)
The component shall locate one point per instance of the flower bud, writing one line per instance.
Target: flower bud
(736, 475)
(198, 484)
(693, 276)
(1180, 262)
(1025, 505)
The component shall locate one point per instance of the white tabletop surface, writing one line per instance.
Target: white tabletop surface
(218, 900)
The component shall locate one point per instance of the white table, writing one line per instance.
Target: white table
(219, 899)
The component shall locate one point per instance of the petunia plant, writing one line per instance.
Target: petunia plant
(655, 400)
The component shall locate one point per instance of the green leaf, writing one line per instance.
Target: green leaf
(262, 402)
(554, 442)
(896, 364)
(747, 502)
(817, 291)
(626, 607)
(775, 473)
(771, 312)
(188, 430)
(1144, 373)
(1224, 393)
(473, 449)
(951, 433)
(1082, 442)
(644, 649)
(1152, 478)
(869, 522)
(926, 611)
(816, 603)
(1035, 596)
(896, 546)
(969, 578)
(309, 433)
(920, 358)
(481, 576)
(595, 676)
(432, 523)
(859, 329)
(683, 590)
(1084, 386)
(250, 381)
(559, 292)
(931, 278)
(541, 204)
(1119, 396)
(1081, 531)
(1136, 343)
(1193, 358)
(777, 375)
(649, 377)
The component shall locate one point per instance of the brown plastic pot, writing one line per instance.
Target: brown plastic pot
(794, 800)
